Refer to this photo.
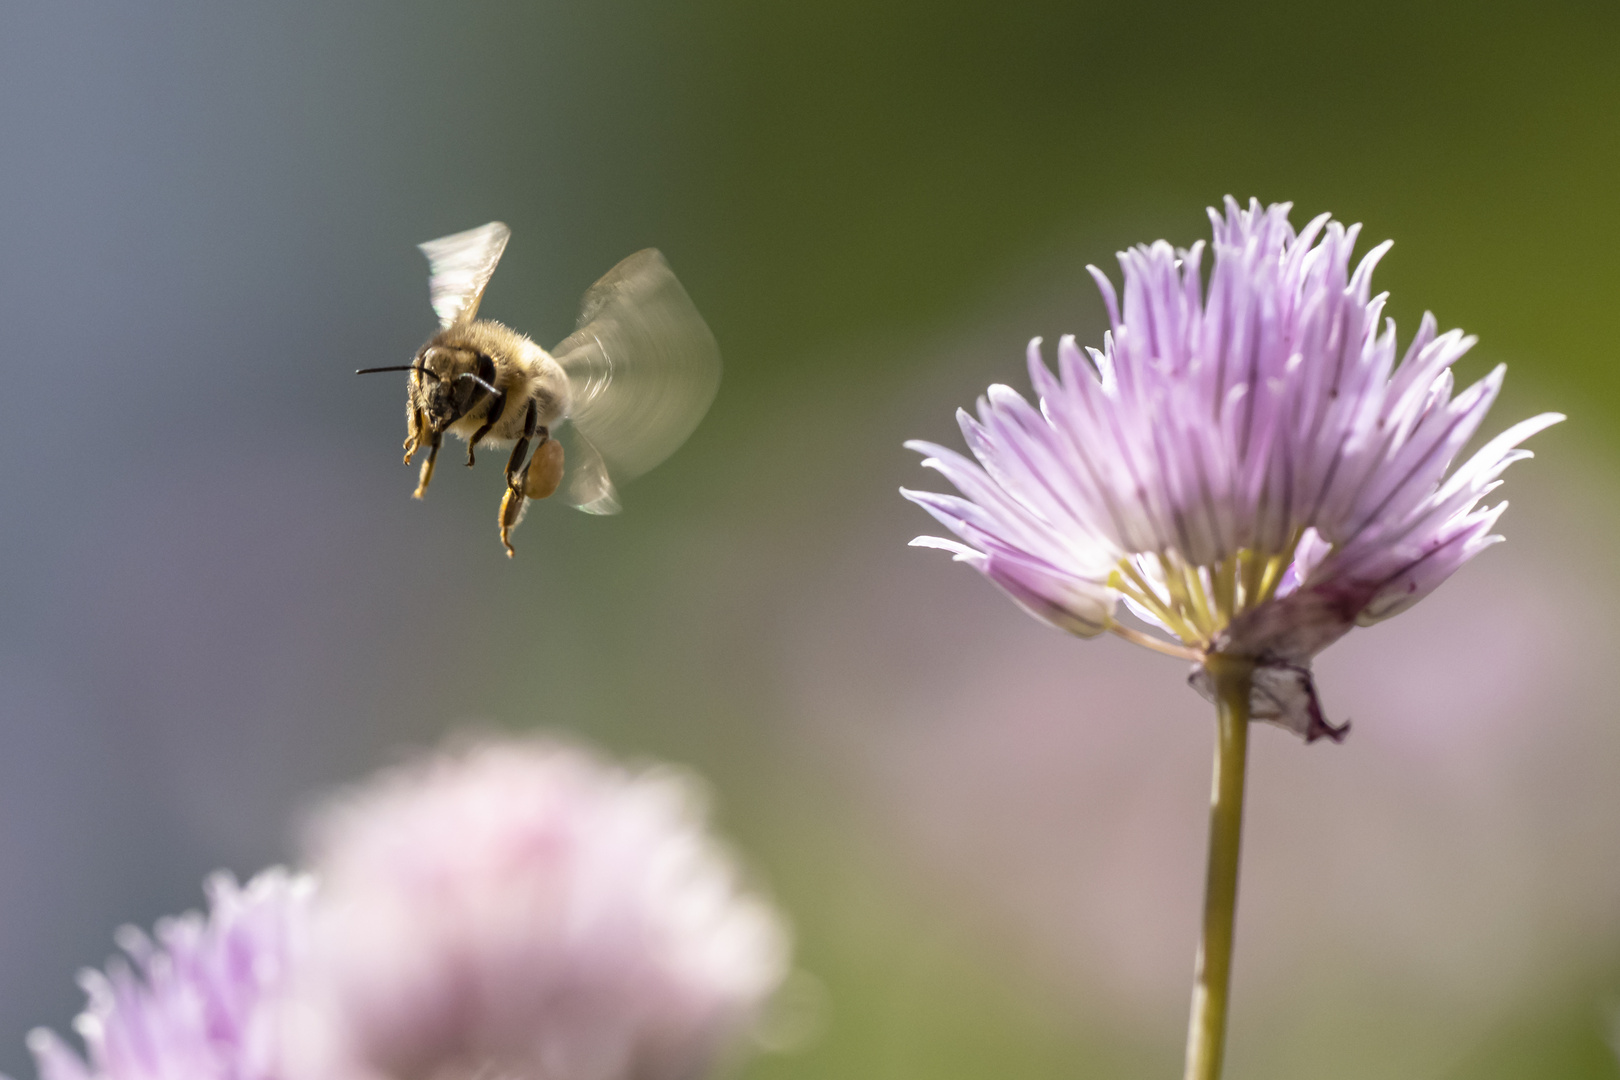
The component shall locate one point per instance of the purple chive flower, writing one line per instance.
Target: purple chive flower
(518, 909)
(1245, 465)
(205, 1000)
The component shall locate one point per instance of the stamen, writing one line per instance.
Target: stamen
(1169, 648)
(1149, 599)
(1254, 569)
(1201, 612)
(1225, 587)
(1272, 576)
(1146, 596)
(1176, 585)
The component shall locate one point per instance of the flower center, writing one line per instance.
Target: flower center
(1197, 602)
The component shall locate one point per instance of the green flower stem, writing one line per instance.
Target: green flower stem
(1206, 1032)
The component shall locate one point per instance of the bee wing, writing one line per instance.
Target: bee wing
(586, 483)
(459, 266)
(642, 367)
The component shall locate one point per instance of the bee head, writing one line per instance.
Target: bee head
(446, 382)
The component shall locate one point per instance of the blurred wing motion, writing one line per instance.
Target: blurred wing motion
(586, 483)
(642, 367)
(459, 266)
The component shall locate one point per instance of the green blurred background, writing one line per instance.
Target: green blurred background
(220, 599)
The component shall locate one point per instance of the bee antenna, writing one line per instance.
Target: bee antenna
(399, 367)
(476, 379)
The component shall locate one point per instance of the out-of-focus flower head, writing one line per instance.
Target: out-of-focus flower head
(1246, 465)
(205, 1000)
(522, 909)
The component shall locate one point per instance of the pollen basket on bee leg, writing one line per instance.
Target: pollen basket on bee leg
(544, 474)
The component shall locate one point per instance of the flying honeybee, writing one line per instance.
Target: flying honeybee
(624, 390)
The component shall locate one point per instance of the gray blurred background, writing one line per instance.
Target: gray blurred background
(220, 600)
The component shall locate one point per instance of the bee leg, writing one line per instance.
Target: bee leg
(514, 501)
(496, 407)
(538, 480)
(522, 446)
(512, 506)
(413, 433)
(427, 466)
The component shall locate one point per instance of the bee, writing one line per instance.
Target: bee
(624, 390)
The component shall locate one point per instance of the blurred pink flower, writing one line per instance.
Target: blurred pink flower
(204, 1001)
(522, 909)
(1245, 465)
